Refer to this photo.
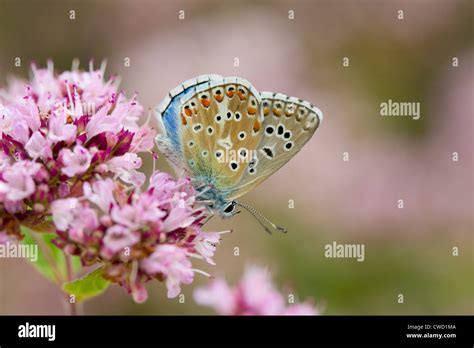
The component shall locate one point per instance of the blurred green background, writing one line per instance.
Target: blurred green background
(408, 251)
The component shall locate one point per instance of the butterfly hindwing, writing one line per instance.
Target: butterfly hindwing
(287, 126)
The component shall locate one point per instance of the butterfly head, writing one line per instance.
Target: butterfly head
(229, 209)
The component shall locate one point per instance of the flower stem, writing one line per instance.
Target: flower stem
(72, 307)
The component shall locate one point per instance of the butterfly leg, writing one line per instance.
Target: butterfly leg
(206, 220)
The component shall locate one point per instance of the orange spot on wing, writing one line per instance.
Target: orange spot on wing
(266, 111)
(183, 120)
(251, 110)
(230, 94)
(188, 112)
(219, 98)
(276, 112)
(256, 126)
(241, 96)
(205, 102)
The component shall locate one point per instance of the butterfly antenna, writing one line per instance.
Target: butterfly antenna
(257, 215)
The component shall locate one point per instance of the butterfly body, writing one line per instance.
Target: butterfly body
(228, 137)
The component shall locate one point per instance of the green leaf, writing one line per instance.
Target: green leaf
(91, 285)
(54, 258)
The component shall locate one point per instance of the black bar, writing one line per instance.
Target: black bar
(218, 330)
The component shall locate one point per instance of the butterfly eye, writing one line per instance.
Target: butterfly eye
(210, 130)
(229, 208)
(288, 146)
(287, 135)
(229, 115)
(204, 153)
(251, 171)
(190, 143)
(218, 118)
(192, 163)
(242, 135)
(237, 116)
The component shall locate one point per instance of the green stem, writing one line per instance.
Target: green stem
(49, 258)
(73, 308)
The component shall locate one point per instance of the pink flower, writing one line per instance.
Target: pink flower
(38, 146)
(139, 293)
(137, 214)
(63, 212)
(117, 238)
(217, 295)
(205, 244)
(254, 295)
(12, 125)
(101, 193)
(102, 122)
(144, 139)
(29, 112)
(128, 112)
(17, 181)
(179, 216)
(124, 162)
(85, 222)
(59, 130)
(76, 161)
(125, 166)
(172, 262)
(301, 309)
(258, 293)
(3, 238)
(163, 185)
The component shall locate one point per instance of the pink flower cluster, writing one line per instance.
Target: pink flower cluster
(136, 236)
(254, 295)
(58, 132)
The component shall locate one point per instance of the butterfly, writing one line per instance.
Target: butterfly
(228, 137)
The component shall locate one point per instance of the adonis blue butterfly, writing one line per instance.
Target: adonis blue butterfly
(229, 138)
